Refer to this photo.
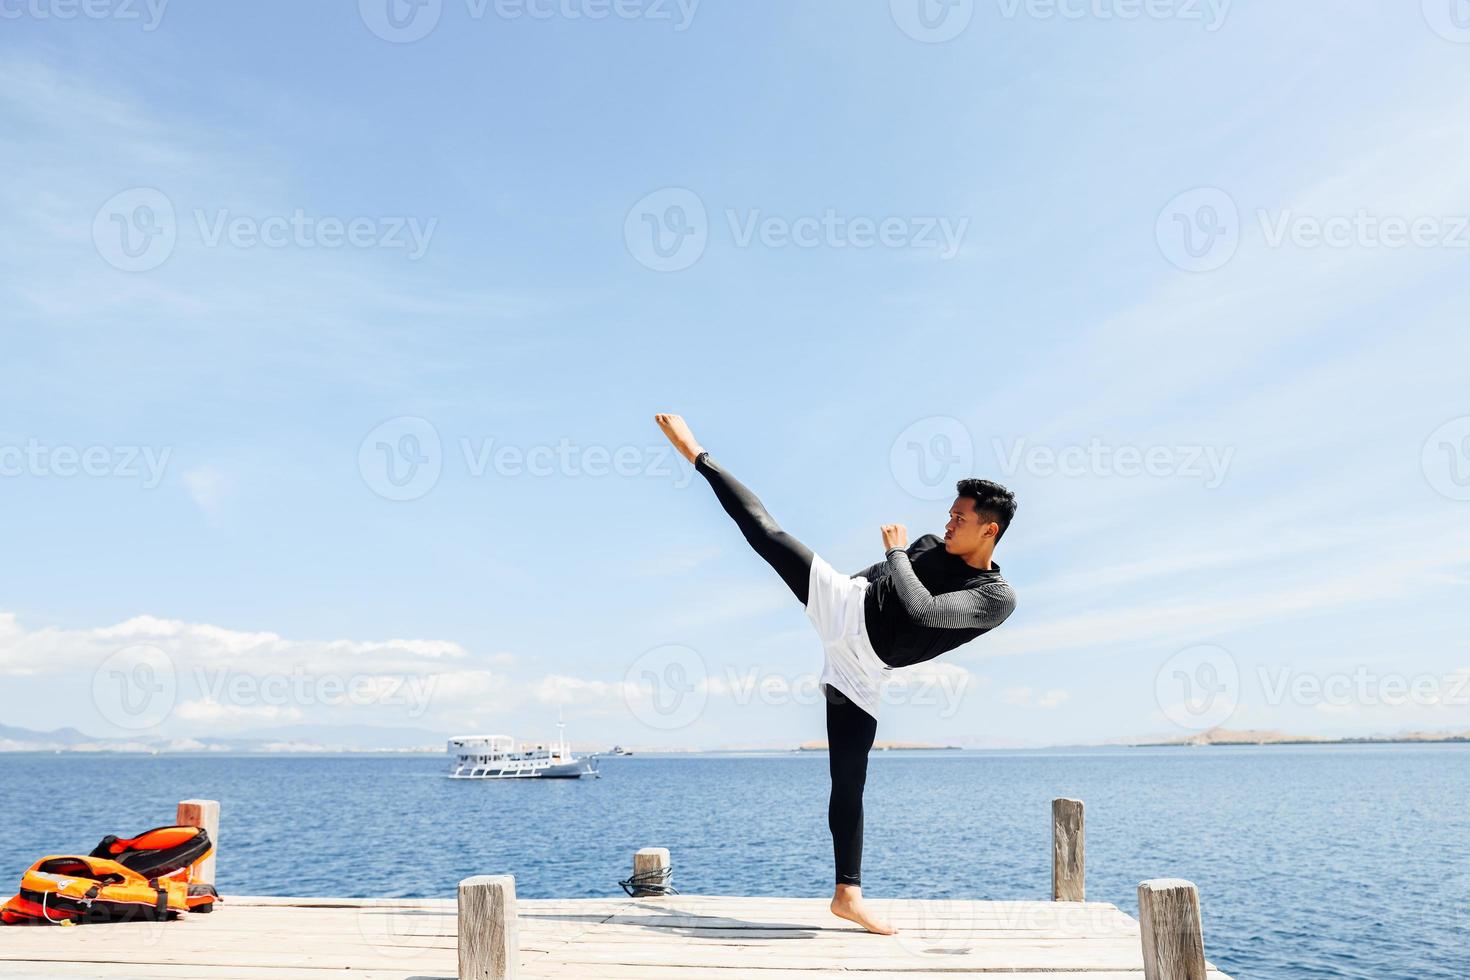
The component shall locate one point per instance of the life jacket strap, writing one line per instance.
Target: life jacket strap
(162, 897)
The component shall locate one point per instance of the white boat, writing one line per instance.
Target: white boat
(500, 757)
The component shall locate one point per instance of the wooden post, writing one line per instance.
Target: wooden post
(1068, 857)
(489, 932)
(1173, 939)
(202, 813)
(652, 861)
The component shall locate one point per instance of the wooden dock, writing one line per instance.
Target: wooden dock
(675, 937)
(486, 933)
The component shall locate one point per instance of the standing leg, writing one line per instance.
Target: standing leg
(850, 732)
(791, 559)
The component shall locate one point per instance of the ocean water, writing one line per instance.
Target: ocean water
(1312, 862)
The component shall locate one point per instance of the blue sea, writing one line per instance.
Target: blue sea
(1312, 862)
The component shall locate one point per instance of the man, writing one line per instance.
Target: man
(919, 602)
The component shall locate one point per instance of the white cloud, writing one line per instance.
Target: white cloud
(201, 646)
(233, 679)
(952, 679)
(559, 689)
(209, 712)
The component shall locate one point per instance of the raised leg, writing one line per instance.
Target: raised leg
(791, 559)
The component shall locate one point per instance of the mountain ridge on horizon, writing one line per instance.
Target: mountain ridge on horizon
(384, 739)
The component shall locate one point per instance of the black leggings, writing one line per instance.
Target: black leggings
(850, 729)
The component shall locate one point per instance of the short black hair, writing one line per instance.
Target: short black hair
(992, 500)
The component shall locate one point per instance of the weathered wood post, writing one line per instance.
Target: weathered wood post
(1068, 855)
(652, 872)
(1173, 938)
(489, 932)
(202, 813)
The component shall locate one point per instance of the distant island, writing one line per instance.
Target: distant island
(1224, 736)
(821, 746)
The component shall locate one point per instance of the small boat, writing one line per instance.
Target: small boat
(500, 757)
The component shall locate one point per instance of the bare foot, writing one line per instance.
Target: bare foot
(678, 432)
(848, 904)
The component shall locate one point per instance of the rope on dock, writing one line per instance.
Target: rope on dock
(646, 883)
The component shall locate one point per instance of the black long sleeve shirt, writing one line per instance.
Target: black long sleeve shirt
(923, 602)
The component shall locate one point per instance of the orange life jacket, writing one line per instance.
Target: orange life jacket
(163, 852)
(69, 888)
(146, 876)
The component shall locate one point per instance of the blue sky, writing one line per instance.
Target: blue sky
(1229, 238)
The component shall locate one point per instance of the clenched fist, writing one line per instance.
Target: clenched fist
(895, 536)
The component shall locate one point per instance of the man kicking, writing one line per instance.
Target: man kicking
(919, 602)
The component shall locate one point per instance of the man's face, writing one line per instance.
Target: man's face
(966, 529)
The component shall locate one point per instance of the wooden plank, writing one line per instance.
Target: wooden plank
(109, 971)
(554, 971)
(1073, 920)
(347, 936)
(792, 914)
(989, 955)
